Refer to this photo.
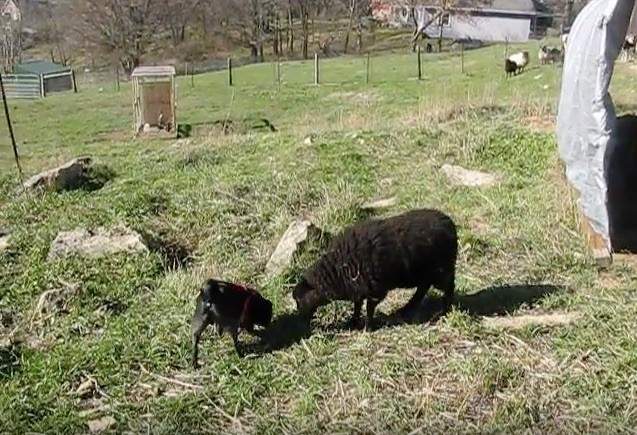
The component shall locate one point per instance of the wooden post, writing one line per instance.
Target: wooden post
(42, 90)
(278, 73)
(367, 69)
(419, 64)
(191, 70)
(10, 127)
(117, 77)
(73, 80)
(229, 71)
(316, 68)
(462, 57)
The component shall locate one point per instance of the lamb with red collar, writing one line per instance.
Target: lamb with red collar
(228, 306)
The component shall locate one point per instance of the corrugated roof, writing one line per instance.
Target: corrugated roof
(40, 67)
(519, 6)
(153, 71)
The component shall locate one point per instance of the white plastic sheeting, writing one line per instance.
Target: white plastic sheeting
(586, 114)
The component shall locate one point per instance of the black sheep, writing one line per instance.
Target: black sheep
(510, 67)
(414, 249)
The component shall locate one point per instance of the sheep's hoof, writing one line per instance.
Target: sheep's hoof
(355, 323)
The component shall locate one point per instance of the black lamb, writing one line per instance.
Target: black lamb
(414, 249)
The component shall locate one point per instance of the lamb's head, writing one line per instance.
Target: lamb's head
(308, 298)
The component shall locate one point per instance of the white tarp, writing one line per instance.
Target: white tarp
(586, 115)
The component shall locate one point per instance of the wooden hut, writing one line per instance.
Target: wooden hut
(154, 101)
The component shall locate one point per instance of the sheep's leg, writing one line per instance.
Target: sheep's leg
(415, 300)
(354, 321)
(448, 286)
(371, 308)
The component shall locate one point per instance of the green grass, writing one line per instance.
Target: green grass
(228, 198)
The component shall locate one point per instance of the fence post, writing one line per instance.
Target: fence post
(367, 70)
(316, 68)
(419, 64)
(10, 127)
(42, 91)
(117, 77)
(73, 79)
(462, 57)
(278, 73)
(506, 47)
(229, 71)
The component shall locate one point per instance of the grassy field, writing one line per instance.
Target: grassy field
(117, 342)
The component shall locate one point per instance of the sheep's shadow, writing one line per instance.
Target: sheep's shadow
(491, 301)
(288, 329)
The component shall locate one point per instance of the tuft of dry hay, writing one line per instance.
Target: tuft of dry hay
(524, 320)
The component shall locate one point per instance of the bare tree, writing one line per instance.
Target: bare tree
(423, 13)
(358, 10)
(10, 41)
(123, 28)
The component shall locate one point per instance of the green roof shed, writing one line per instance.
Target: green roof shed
(53, 77)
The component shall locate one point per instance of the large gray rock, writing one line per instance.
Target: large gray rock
(96, 242)
(294, 237)
(468, 177)
(67, 176)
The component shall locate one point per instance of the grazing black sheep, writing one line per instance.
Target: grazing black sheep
(414, 249)
(228, 306)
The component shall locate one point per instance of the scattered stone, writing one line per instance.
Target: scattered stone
(468, 177)
(294, 237)
(101, 425)
(521, 321)
(308, 141)
(96, 242)
(380, 204)
(67, 176)
(4, 242)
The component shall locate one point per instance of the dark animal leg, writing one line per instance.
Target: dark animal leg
(415, 300)
(354, 321)
(448, 287)
(371, 307)
(234, 333)
(197, 326)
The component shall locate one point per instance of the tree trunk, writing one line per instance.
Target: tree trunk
(290, 30)
(568, 10)
(350, 24)
(305, 28)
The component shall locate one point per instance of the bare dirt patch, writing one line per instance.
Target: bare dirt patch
(539, 124)
(355, 97)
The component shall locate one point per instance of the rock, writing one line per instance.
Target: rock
(67, 176)
(296, 235)
(96, 242)
(468, 177)
(101, 425)
(521, 321)
(308, 141)
(4, 242)
(146, 128)
(380, 204)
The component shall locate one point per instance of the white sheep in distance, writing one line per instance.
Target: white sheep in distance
(521, 59)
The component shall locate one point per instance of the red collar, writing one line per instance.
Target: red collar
(244, 288)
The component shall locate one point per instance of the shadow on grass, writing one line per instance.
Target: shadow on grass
(288, 329)
(10, 357)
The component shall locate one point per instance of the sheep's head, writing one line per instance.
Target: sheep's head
(307, 298)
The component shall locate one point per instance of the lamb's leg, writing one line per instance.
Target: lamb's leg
(371, 308)
(354, 321)
(197, 326)
(234, 333)
(415, 300)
